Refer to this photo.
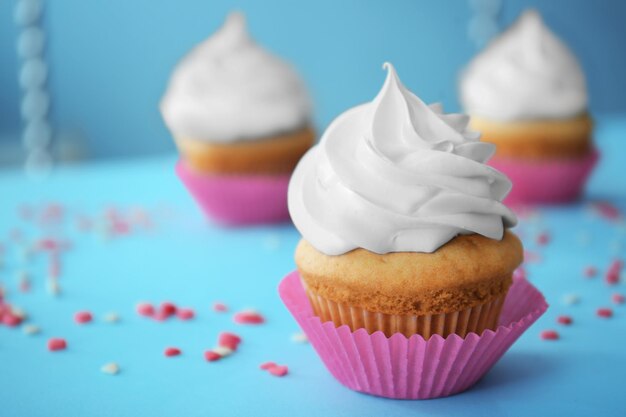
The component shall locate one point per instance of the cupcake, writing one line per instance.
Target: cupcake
(241, 120)
(526, 93)
(405, 244)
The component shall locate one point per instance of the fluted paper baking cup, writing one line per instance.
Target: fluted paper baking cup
(551, 182)
(475, 319)
(412, 367)
(238, 199)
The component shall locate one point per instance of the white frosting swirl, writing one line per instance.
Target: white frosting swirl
(228, 88)
(525, 73)
(397, 175)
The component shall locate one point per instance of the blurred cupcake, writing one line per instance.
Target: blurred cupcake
(526, 93)
(241, 119)
(405, 259)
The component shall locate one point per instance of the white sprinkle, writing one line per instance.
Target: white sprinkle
(299, 338)
(272, 242)
(112, 317)
(18, 312)
(222, 350)
(53, 287)
(31, 329)
(110, 368)
(570, 299)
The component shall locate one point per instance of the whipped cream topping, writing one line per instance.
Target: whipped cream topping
(525, 73)
(228, 88)
(397, 175)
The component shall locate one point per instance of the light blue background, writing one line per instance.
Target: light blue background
(111, 59)
(194, 263)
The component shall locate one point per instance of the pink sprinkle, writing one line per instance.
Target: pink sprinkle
(565, 320)
(618, 298)
(120, 227)
(531, 257)
(220, 307)
(52, 213)
(278, 370)
(229, 340)
(11, 320)
(590, 272)
(267, 365)
(172, 351)
(83, 317)
(549, 335)
(543, 238)
(54, 266)
(185, 314)
(160, 316)
(604, 312)
(24, 284)
(617, 264)
(211, 356)
(168, 308)
(56, 344)
(612, 276)
(607, 210)
(52, 245)
(145, 309)
(248, 317)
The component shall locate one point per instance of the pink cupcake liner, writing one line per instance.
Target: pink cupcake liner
(412, 368)
(239, 199)
(551, 182)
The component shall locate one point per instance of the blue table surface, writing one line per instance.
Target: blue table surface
(191, 262)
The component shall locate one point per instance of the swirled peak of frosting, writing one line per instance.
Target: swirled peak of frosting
(229, 88)
(525, 73)
(397, 175)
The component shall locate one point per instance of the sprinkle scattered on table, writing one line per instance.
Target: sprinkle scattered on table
(549, 335)
(185, 314)
(248, 317)
(220, 307)
(145, 309)
(590, 272)
(112, 317)
(172, 351)
(299, 338)
(83, 317)
(274, 369)
(110, 368)
(55, 344)
(227, 343)
(570, 299)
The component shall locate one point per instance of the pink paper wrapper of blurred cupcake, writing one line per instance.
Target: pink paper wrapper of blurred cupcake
(240, 118)
(238, 200)
(414, 368)
(546, 182)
